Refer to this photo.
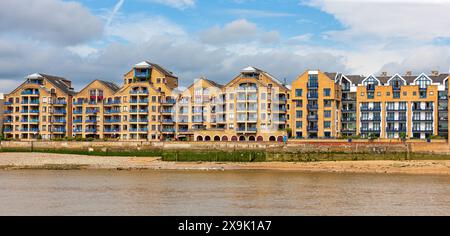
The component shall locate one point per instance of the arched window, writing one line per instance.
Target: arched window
(423, 82)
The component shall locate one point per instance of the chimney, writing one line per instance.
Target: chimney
(408, 73)
(384, 73)
(434, 73)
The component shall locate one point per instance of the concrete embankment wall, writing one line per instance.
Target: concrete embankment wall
(319, 146)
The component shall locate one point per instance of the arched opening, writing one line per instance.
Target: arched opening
(225, 139)
(272, 139)
(252, 139)
(207, 138)
(280, 139)
(234, 138)
(242, 138)
(216, 138)
(199, 138)
(260, 139)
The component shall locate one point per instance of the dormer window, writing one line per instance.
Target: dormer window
(423, 82)
(370, 83)
(396, 82)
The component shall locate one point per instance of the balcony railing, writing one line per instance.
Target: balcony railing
(92, 111)
(78, 112)
(395, 119)
(139, 111)
(112, 130)
(368, 130)
(29, 92)
(139, 101)
(422, 129)
(7, 130)
(168, 130)
(91, 121)
(77, 121)
(59, 130)
(59, 121)
(8, 112)
(395, 130)
(313, 117)
(8, 103)
(139, 92)
(169, 102)
(313, 96)
(113, 121)
(422, 108)
(371, 119)
(112, 111)
(113, 102)
(396, 109)
(422, 119)
(57, 112)
(168, 121)
(313, 107)
(313, 85)
(78, 103)
(313, 128)
(370, 108)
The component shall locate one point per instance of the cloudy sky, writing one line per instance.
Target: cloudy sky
(88, 39)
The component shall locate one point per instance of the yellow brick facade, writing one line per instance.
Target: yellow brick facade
(253, 106)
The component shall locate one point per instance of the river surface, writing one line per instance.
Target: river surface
(42, 192)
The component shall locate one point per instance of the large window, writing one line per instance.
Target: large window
(327, 92)
(423, 82)
(298, 92)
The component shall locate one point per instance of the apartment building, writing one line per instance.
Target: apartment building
(93, 113)
(253, 106)
(316, 105)
(2, 110)
(41, 107)
(416, 105)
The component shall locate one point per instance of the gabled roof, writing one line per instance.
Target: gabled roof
(331, 75)
(61, 83)
(114, 87)
(147, 64)
(257, 70)
(354, 79)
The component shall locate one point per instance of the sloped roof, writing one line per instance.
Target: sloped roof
(355, 79)
(331, 75)
(114, 87)
(59, 82)
(257, 70)
(147, 64)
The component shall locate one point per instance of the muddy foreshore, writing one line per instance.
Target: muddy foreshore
(36, 161)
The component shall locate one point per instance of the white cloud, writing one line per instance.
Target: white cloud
(180, 4)
(251, 13)
(56, 21)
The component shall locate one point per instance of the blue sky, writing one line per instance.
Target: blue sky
(84, 40)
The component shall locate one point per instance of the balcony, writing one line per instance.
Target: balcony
(8, 111)
(139, 111)
(8, 121)
(169, 102)
(422, 108)
(112, 111)
(370, 130)
(29, 92)
(90, 130)
(313, 117)
(169, 111)
(8, 103)
(109, 130)
(142, 74)
(395, 119)
(198, 120)
(313, 128)
(78, 112)
(168, 130)
(92, 111)
(59, 130)
(348, 119)
(7, 130)
(78, 103)
(396, 130)
(168, 121)
(370, 119)
(116, 102)
(77, 130)
(142, 101)
(313, 96)
(370, 108)
(62, 121)
(78, 121)
(60, 103)
(396, 109)
(349, 109)
(57, 112)
(112, 121)
(313, 85)
(135, 92)
(422, 119)
(247, 130)
(34, 130)
(313, 107)
(422, 129)
(91, 121)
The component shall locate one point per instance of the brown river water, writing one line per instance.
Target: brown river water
(42, 192)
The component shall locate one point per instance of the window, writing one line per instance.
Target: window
(299, 124)
(423, 82)
(388, 94)
(263, 96)
(362, 94)
(327, 92)
(299, 103)
(263, 106)
(153, 98)
(327, 124)
(263, 116)
(158, 80)
(299, 114)
(299, 92)
(379, 94)
(153, 108)
(231, 96)
(405, 93)
(414, 93)
(327, 114)
(327, 103)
